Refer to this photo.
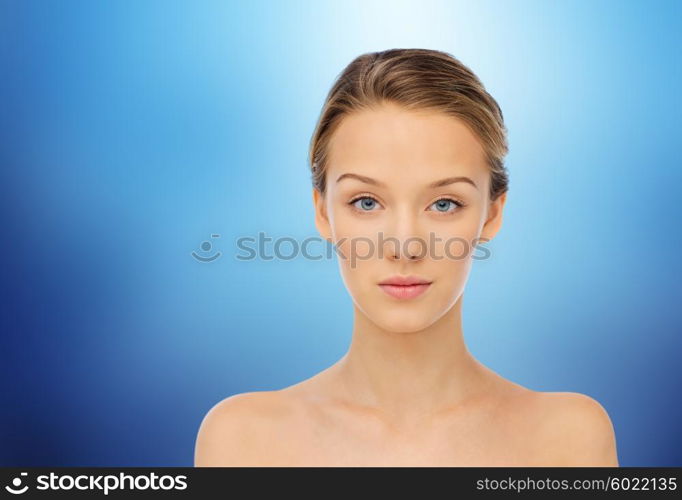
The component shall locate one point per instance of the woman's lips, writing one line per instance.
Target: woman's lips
(405, 291)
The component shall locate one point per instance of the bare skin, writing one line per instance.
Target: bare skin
(318, 422)
(407, 392)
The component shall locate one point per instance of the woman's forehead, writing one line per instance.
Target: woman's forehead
(393, 141)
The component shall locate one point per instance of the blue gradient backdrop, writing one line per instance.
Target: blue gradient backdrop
(132, 131)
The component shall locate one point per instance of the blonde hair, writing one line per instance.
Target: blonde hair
(416, 79)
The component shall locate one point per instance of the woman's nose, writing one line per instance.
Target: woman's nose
(403, 238)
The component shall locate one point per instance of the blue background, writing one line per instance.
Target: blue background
(132, 131)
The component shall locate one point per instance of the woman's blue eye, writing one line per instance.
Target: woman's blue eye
(444, 205)
(365, 203)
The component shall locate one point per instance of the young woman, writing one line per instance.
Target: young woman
(408, 175)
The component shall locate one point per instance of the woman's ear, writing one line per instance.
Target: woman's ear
(494, 218)
(321, 217)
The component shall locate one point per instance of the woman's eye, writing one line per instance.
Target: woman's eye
(445, 205)
(365, 204)
(368, 204)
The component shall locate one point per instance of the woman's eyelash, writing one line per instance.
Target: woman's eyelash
(362, 197)
(456, 202)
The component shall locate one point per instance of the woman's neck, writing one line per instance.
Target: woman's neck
(410, 375)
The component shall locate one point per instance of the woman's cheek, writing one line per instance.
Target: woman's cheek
(356, 239)
(463, 237)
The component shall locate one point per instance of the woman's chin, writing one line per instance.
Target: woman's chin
(404, 321)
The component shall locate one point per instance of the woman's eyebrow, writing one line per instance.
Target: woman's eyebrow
(452, 180)
(361, 178)
(440, 183)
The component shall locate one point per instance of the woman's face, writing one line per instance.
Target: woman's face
(407, 195)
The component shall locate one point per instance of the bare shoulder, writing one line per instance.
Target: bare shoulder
(573, 429)
(237, 429)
